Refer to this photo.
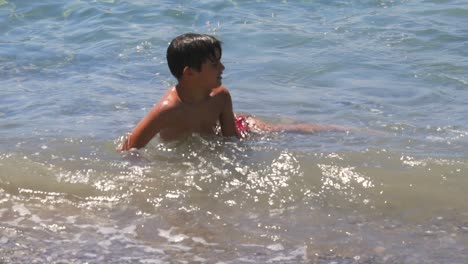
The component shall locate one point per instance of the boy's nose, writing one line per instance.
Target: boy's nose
(222, 66)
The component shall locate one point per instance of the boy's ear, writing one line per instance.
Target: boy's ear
(187, 71)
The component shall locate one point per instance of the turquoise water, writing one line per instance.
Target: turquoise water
(76, 76)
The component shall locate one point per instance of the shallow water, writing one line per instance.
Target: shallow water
(76, 76)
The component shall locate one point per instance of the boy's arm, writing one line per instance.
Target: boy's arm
(227, 119)
(146, 129)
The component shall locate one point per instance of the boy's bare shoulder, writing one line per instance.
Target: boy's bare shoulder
(220, 90)
(222, 93)
(169, 100)
(164, 109)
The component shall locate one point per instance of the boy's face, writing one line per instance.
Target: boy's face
(211, 71)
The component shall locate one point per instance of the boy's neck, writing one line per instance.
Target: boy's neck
(191, 94)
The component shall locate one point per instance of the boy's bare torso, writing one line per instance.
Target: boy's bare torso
(174, 119)
(186, 118)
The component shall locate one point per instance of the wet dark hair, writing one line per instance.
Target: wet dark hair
(191, 50)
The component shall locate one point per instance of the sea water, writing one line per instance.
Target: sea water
(76, 76)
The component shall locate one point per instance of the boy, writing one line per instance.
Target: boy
(198, 102)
